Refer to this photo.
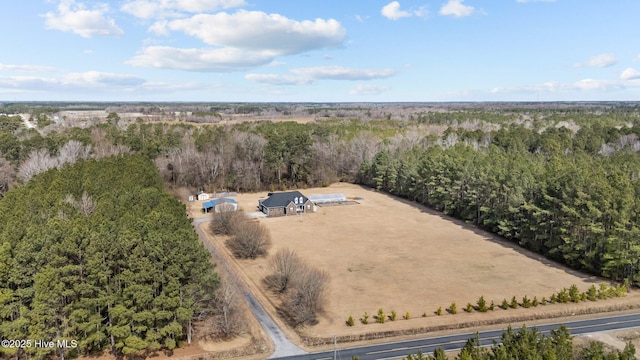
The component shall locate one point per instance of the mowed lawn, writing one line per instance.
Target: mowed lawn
(389, 253)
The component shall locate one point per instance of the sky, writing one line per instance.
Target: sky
(320, 51)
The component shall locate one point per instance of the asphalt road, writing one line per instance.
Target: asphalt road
(455, 342)
(283, 347)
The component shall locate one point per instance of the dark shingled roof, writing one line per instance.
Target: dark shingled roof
(282, 199)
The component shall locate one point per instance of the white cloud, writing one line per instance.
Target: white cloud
(212, 60)
(257, 30)
(368, 89)
(392, 11)
(71, 81)
(74, 17)
(242, 40)
(303, 76)
(457, 9)
(343, 73)
(29, 68)
(147, 9)
(630, 74)
(581, 85)
(273, 79)
(602, 60)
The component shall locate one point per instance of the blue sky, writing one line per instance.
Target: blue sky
(320, 51)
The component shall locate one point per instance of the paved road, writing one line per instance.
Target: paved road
(283, 347)
(456, 342)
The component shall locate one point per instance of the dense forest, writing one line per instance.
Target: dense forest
(98, 253)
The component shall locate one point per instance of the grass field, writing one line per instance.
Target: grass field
(389, 253)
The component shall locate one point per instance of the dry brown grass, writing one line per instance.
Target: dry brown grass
(392, 254)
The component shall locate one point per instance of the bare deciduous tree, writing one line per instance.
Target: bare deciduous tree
(85, 205)
(73, 151)
(7, 175)
(250, 239)
(37, 162)
(228, 320)
(306, 297)
(223, 222)
(284, 265)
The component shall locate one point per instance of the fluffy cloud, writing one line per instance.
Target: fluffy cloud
(456, 8)
(630, 74)
(602, 60)
(209, 60)
(367, 89)
(147, 9)
(311, 74)
(242, 40)
(257, 30)
(74, 17)
(392, 11)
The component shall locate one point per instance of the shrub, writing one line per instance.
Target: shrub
(350, 321)
(563, 296)
(543, 301)
(469, 308)
(592, 293)
(535, 301)
(453, 309)
(492, 306)
(365, 318)
(514, 303)
(526, 302)
(407, 316)
(381, 316)
(482, 304)
(574, 293)
(424, 314)
(602, 291)
(505, 304)
(393, 315)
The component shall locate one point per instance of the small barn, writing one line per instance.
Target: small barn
(202, 196)
(285, 204)
(220, 205)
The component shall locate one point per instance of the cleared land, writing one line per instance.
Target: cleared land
(392, 254)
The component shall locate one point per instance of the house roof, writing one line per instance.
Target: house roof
(282, 199)
(214, 202)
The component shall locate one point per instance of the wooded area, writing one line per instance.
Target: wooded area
(107, 242)
(97, 252)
